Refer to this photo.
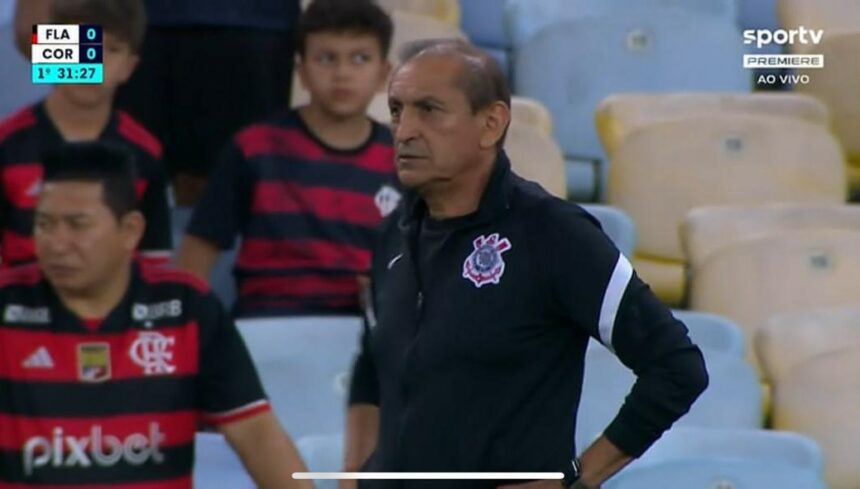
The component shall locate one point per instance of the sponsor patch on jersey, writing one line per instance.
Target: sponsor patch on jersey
(16, 313)
(154, 312)
(94, 362)
(485, 264)
(386, 200)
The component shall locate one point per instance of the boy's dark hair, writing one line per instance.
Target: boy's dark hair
(353, 16)
(109, 165)
(125, 19)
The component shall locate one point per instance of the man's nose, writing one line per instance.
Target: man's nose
(406, 128)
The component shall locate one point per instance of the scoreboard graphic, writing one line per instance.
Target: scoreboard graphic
(67, 54)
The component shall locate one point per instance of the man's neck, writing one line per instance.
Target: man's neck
(100, 300)
(338, 132)
(460, 196)
(76, 122)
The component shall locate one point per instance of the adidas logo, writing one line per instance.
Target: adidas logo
(39, 359)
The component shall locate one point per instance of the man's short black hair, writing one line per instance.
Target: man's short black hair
(345, 16)
(125, 19)
(110, 165)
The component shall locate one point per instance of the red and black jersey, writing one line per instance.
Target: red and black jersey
(116, 402)
(307, 214)
(26, 135)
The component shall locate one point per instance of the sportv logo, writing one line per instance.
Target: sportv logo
(99, 449)
(801, 35)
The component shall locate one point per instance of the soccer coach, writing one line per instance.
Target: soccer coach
(485, 291)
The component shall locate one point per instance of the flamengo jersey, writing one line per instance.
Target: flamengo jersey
(307, 213)
(27, 134)
(115, 405)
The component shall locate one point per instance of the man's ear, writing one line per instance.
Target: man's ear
(130, 65)
(132, 226)
(495, 121)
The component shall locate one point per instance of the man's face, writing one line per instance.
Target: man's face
(79, 242)
(342, 71)
(119, 63)
(436, 135)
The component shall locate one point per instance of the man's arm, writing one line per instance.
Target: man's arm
(28, 13)
(197, 256)
(266, 451)
(362, 428)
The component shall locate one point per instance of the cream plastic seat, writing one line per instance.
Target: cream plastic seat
(663, 170)
(535, 156)
(782, 272)
(531, 112)
(619, 114)
(832, 16)
(788, 340)
(707, 229)
(820, 398)
(447, 11)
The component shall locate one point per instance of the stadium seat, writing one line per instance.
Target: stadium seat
(17, 88)
(304, 364)
(707, 229)
(484, 22)
(662, 171)
(819, 398)
(713, 332)
(706, 473)
(447, 11)
(646, 52)
(217, 465)
(525, 18)
(221, 279)
(733, 398)
(788, 340)
(616, 224)
(781, 272)
(535, 156)
(757, 14)
(836, 85)
(620, 114)
(322, 453)
(766, 446)
(530, 112)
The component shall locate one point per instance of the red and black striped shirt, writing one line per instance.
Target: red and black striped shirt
(27, 134)
(307, 214)
(115, 402)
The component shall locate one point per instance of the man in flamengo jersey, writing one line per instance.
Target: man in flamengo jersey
(107, 364)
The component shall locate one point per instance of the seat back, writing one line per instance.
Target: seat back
(530, 112)
(782, 272)
(535, 156)
(217, 465)
(620, 114)
(819, 398)
(664, 170)
(708, 229)
(304, 365)
(713, 332)
(788, 340)
(616, 224)
(716, 474)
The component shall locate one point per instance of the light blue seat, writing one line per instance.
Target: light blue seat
(713, 332)
(221, 279)
(716, 474)
(16, 88)
(216, 465)
(304, 365)
(616, 224)
(483, 21)
(733, 398)
(525, 18)
(766, 446)
(571, 65)
(322, 453)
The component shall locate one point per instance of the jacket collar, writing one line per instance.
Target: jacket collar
(494, 200)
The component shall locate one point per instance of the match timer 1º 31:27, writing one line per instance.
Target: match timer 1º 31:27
(67, 54)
